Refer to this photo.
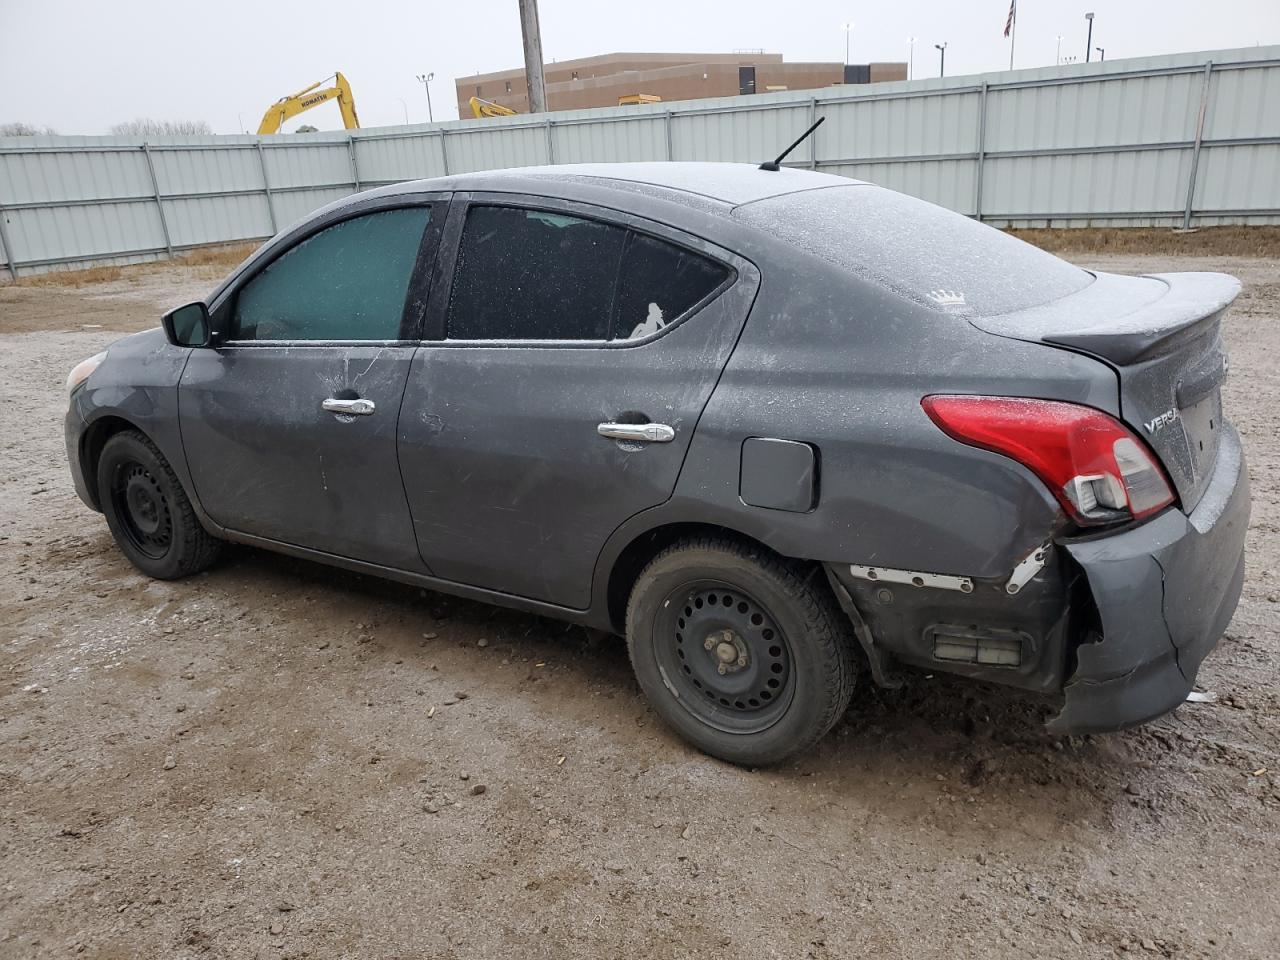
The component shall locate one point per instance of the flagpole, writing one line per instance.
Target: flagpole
(1013, 34)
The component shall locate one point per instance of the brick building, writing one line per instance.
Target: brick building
(600, 81)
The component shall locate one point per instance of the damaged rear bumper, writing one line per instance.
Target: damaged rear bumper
(1165, 592)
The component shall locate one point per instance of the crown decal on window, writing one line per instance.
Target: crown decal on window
(948, 298)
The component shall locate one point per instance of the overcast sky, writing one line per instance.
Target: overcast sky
(82, 65)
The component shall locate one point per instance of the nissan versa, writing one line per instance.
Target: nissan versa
(778, 428)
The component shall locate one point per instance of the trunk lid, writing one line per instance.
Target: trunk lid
(1162, 335)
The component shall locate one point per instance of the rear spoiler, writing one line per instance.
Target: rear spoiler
(1192, 300)
(1124, 319)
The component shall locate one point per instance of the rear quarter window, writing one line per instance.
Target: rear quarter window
(923, 252)
(659, 282)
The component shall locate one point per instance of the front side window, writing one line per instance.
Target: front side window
(347, 282)
(526, 274)
(534, 275)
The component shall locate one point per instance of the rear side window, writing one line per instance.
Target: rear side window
(526, 274)
(534, 275)
(347, 282)
(933, 256)
(659, 283)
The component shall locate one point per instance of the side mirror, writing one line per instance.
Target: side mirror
(187, 326)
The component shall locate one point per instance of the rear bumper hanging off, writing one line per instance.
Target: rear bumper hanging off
(1165, 592)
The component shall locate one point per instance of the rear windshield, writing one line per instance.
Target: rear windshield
(928, 254)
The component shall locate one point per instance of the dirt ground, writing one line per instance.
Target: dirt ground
(276, 759)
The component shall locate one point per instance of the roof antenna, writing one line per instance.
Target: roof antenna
(777, 164)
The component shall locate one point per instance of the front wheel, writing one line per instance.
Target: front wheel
(742, 653)
(148, 512)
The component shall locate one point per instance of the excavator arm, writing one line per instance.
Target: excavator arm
(487, 108)
(312, 96)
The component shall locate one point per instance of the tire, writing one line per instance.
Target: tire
(740, 651)
(148, 512)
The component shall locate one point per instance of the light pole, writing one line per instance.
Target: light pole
(1102, 53)
(1058, 56)
(425, 79)
(1088, 44)
(911, 56)
(942, 58)
(406, 109)
(848, 29)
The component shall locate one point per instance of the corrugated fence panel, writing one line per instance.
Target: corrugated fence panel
(46, 177)
(495, 148)
(1110, 143)
(307, 166)
(1239, 178)
(1102, 113)
(84, 232)
(641, 138)
(1242, 103)
(296, 204)
(206, 171)
(201, 220)
(1127, 187)
(747, 136)
(392, 159)
(938, 125)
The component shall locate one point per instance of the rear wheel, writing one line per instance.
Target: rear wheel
(148, 512)
(741, 652)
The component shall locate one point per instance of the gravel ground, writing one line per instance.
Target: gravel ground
(276, 759)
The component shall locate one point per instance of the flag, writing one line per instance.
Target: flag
(1008, 24)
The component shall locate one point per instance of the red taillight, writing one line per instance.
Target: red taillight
(1099, 471)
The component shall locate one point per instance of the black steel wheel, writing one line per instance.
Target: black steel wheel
(149, 513)
(743, 653)
(139, 501)
(729, 655)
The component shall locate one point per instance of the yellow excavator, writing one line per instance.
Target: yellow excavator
(487, 108)
(312, 96)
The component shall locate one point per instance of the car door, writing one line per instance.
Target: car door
(571, 356)
(289, 426)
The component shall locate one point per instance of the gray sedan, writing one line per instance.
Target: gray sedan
(779, 429)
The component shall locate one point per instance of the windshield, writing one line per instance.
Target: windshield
(924, 252)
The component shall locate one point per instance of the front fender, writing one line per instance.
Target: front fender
(136, 385)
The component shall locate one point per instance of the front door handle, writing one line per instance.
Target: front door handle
(355, 408)
(637, 432)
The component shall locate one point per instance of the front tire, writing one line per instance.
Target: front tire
(744, 654)
(148, 512)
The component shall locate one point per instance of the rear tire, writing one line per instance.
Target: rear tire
(148, 512)
(744, 654)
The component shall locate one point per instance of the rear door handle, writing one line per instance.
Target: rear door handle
(355, 408)
(637, 432)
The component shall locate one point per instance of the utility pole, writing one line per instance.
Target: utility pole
(1058, 57)
(911, 56)
(848, 29)
(533, 56)
(1088, 44)
(942, 58)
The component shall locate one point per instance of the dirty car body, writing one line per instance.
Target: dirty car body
(538, 387)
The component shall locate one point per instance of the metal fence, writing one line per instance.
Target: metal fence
(1181, 140)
